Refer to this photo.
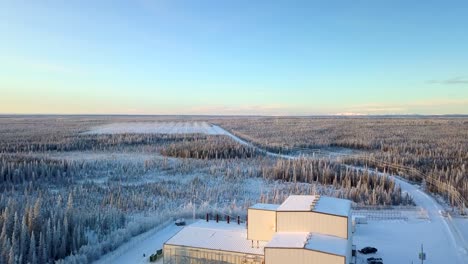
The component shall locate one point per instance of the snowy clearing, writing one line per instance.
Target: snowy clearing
(400, 241)
(158, 128)
(146, 243)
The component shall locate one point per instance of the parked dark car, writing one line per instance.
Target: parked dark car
(374, 261)
(180, 222)
(368, 250)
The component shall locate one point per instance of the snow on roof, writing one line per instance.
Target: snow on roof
(311, 241)
(327, 244)
(217, 236)
(288, 240)
(297, 203)
(334, 206)
(262, 206)
(323, 204)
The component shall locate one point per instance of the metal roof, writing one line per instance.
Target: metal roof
(297, 203)
(263, 206)
(288, 240)
(327, 244)
(316, 203)
(217, 236)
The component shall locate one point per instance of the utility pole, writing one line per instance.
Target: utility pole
(422, 255)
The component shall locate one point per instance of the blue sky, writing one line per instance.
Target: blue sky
(234, 57)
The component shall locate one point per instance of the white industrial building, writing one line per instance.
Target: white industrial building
(304, 229)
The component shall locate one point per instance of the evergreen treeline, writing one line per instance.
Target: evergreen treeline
(210, 147)
(84, 142)
(357, 185)
(18, 170)
(38, 229)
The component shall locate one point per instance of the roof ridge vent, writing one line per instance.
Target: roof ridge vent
(312, 206)
(314, 202)
(308, 237)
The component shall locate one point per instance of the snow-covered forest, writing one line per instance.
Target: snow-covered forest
(69, 195)
(436, 146)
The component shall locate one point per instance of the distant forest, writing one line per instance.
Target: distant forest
(70, 197)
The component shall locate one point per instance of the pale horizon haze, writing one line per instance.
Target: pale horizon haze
(234, 57)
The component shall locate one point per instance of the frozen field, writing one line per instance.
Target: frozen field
(158, 128)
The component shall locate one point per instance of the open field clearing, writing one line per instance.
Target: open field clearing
(157, 128)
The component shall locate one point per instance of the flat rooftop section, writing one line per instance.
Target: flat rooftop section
(323, 204)
(217, 236)
(267, 207)
(297, 203)
(328, 244)
(311, 241)
(334, 206)
(288, 240)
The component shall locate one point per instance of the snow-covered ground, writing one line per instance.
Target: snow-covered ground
(139, 248)
(460, 226)
(398, 241)
(443, 238)
(98, 156)
(158, 128)
(444, 241)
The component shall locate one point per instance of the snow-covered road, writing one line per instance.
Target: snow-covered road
(147, 243)
(441, 228)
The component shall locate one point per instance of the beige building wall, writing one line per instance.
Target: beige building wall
(312, 222)
(300, 256)
(261, 224)
(350, 238)
(174, 254)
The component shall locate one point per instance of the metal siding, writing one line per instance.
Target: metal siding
(312, 222)
(261, 225)
(300, 256)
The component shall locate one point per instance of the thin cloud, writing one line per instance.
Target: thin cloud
(441, 102)
(455, 80)
(44, 65)
(405, 108)
(349, 114)
(242, 110)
